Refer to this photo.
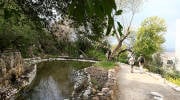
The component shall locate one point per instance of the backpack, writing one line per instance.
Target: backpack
(141, 59)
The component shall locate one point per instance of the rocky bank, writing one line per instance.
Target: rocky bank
(14, 74)
(94, 83)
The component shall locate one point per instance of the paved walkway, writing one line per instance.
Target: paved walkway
(137, 86)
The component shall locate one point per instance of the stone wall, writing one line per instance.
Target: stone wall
(94, 83)
(11, 67)
(13, 74)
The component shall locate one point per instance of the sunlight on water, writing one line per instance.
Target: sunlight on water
(53, 81)
(47, 90)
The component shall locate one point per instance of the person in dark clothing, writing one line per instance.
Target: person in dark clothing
(141, 61)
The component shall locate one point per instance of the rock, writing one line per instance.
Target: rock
(156, 94)
(100, 94)
(94, 83)
(94, 91)
(12, 68)
(177, 89)
(87, 93)
(105, 90)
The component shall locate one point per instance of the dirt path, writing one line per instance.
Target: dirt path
(137, 86)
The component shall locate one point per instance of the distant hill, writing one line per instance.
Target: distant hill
(170, 50)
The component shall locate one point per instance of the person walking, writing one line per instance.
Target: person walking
(141, 61)
(131, 62)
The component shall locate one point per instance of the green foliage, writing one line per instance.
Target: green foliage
(25, 25)
(110, 25)
(91, 8)
(120, 28)
(20, 33)
(47, 42)
(123, 57)
(119, 12)
(170, 75)
(97, 54)
(83, 45)
(173, 76)
(105, 64)
(155, 69)
(150, 36)
(16, 31)
(175, 81)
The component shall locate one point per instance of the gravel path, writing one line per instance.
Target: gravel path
(137, 86)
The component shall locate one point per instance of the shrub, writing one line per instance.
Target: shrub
(105, 64)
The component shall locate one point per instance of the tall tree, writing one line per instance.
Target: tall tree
(94, 16)
(130, 8)
(150, 38)
(91, 14)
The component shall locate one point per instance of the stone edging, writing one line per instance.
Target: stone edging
(38, 60)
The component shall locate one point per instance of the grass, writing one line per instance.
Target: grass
(170, 75)
(105, 64)
(173, 76)
(175, 81)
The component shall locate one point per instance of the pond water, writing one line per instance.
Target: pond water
(53, 81)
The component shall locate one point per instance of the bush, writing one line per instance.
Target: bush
(105, 64)
(173, 74)
(123, 58)
(97, 54)
(176, 81)
(155, 69)
(170, 75)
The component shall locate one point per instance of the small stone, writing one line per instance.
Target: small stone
(100, 94)
(93, 90)
(156, 94)
(87, 93)
(105, 90)
(177, 89)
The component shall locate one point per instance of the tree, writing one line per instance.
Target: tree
(18, 31)
(130, 8)
(93, 15)
(150, 38)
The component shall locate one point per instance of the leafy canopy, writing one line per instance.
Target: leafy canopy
(150, 38)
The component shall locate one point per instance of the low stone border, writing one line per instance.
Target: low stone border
(38, 60)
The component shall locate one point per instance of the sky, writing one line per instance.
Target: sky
(169, 10)
(166, 9)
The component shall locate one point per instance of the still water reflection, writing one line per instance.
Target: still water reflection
(53, 81)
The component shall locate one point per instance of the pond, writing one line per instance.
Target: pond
(53, 81)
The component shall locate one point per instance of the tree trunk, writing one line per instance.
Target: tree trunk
(113, 54)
